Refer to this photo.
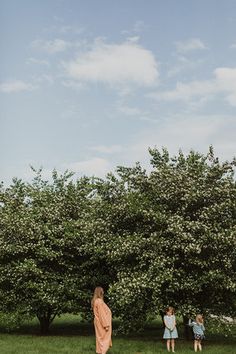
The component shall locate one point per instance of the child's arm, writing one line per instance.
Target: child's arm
(174, 324)
(166, 325)
(190, 323)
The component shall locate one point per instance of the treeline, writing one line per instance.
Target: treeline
(151, 239)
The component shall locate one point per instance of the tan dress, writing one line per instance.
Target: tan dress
(102, 319)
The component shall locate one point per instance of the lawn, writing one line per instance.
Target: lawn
(70, 336)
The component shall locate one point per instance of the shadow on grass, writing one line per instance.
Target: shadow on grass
(73, 326)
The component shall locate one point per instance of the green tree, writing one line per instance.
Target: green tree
(43, 268)
(170, 234)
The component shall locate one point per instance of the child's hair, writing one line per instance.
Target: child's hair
(170, 309)
(199, 319)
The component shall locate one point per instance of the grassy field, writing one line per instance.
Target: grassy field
(69, 336)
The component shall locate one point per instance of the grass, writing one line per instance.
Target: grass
(70, 336)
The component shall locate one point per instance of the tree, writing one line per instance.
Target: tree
(170, 234)
(151, 239)
(42, 264)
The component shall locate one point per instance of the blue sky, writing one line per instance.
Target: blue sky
(89, 85)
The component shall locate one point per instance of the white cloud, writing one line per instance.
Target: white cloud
(60, 28)
(95, 166)
(71, 29)
(129, 111)
(189, 45)
(226, 78)
(16, 86)
(183, 64)
(115, 64)
(132, 111)
(224, 83)
(187, 132)
(133, 39)
(186, 91)
(74, 84)
(125, 91)
(37, 61)
(51, 47)
(107, 149)
(138, 27)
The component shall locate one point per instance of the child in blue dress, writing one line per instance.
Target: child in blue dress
(170, 333)
(198, 331)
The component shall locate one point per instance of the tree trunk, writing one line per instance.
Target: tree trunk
(45, 321)
(44, 325)
(162, 314)
(187, 330)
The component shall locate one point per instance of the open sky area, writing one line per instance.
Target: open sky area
(87, 85)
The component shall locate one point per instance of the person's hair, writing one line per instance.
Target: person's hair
(98, 294)
(170, 309)
(199, 319)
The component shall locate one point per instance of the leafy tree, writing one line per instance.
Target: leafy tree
(43, 269)
(152, 239)
(170, 234)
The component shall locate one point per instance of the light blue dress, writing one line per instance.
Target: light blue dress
(198, 329)
(168, 334)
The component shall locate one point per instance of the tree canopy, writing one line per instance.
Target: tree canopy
(151, 239)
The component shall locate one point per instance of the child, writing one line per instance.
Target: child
(198, 331)
(170, 332)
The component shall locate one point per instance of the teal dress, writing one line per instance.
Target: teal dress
(168, 333)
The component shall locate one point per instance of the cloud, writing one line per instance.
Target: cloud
(44, 78)
(71, 29)
(133, 39)
(129, 111)
(182, 63)
(189, 45)
(60, 28)
(51, 47)
(223, 82)
(38, 61)
(107, 149)
(187, 132)
(16, 86)
(138, 27)
(186, 91)
(95, 166)
(115, 64)
(74, 85)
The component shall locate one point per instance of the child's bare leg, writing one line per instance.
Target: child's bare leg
(195, 345)
(200, 345)
(168, 344)
(173, 345)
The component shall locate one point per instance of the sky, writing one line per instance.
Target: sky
(88, 85)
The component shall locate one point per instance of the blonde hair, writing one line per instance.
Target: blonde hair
(170, 309)
(98, 294)
(199, 319)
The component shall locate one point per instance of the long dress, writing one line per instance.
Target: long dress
(170, 322)
(102, 319)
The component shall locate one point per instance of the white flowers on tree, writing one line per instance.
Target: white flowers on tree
(150, 239)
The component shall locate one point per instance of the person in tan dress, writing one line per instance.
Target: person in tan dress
(102, 321)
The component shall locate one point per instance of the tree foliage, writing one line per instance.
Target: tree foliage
(173, 236)
(42, 263)
(151, 239)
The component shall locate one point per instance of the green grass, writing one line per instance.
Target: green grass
(70, 336)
